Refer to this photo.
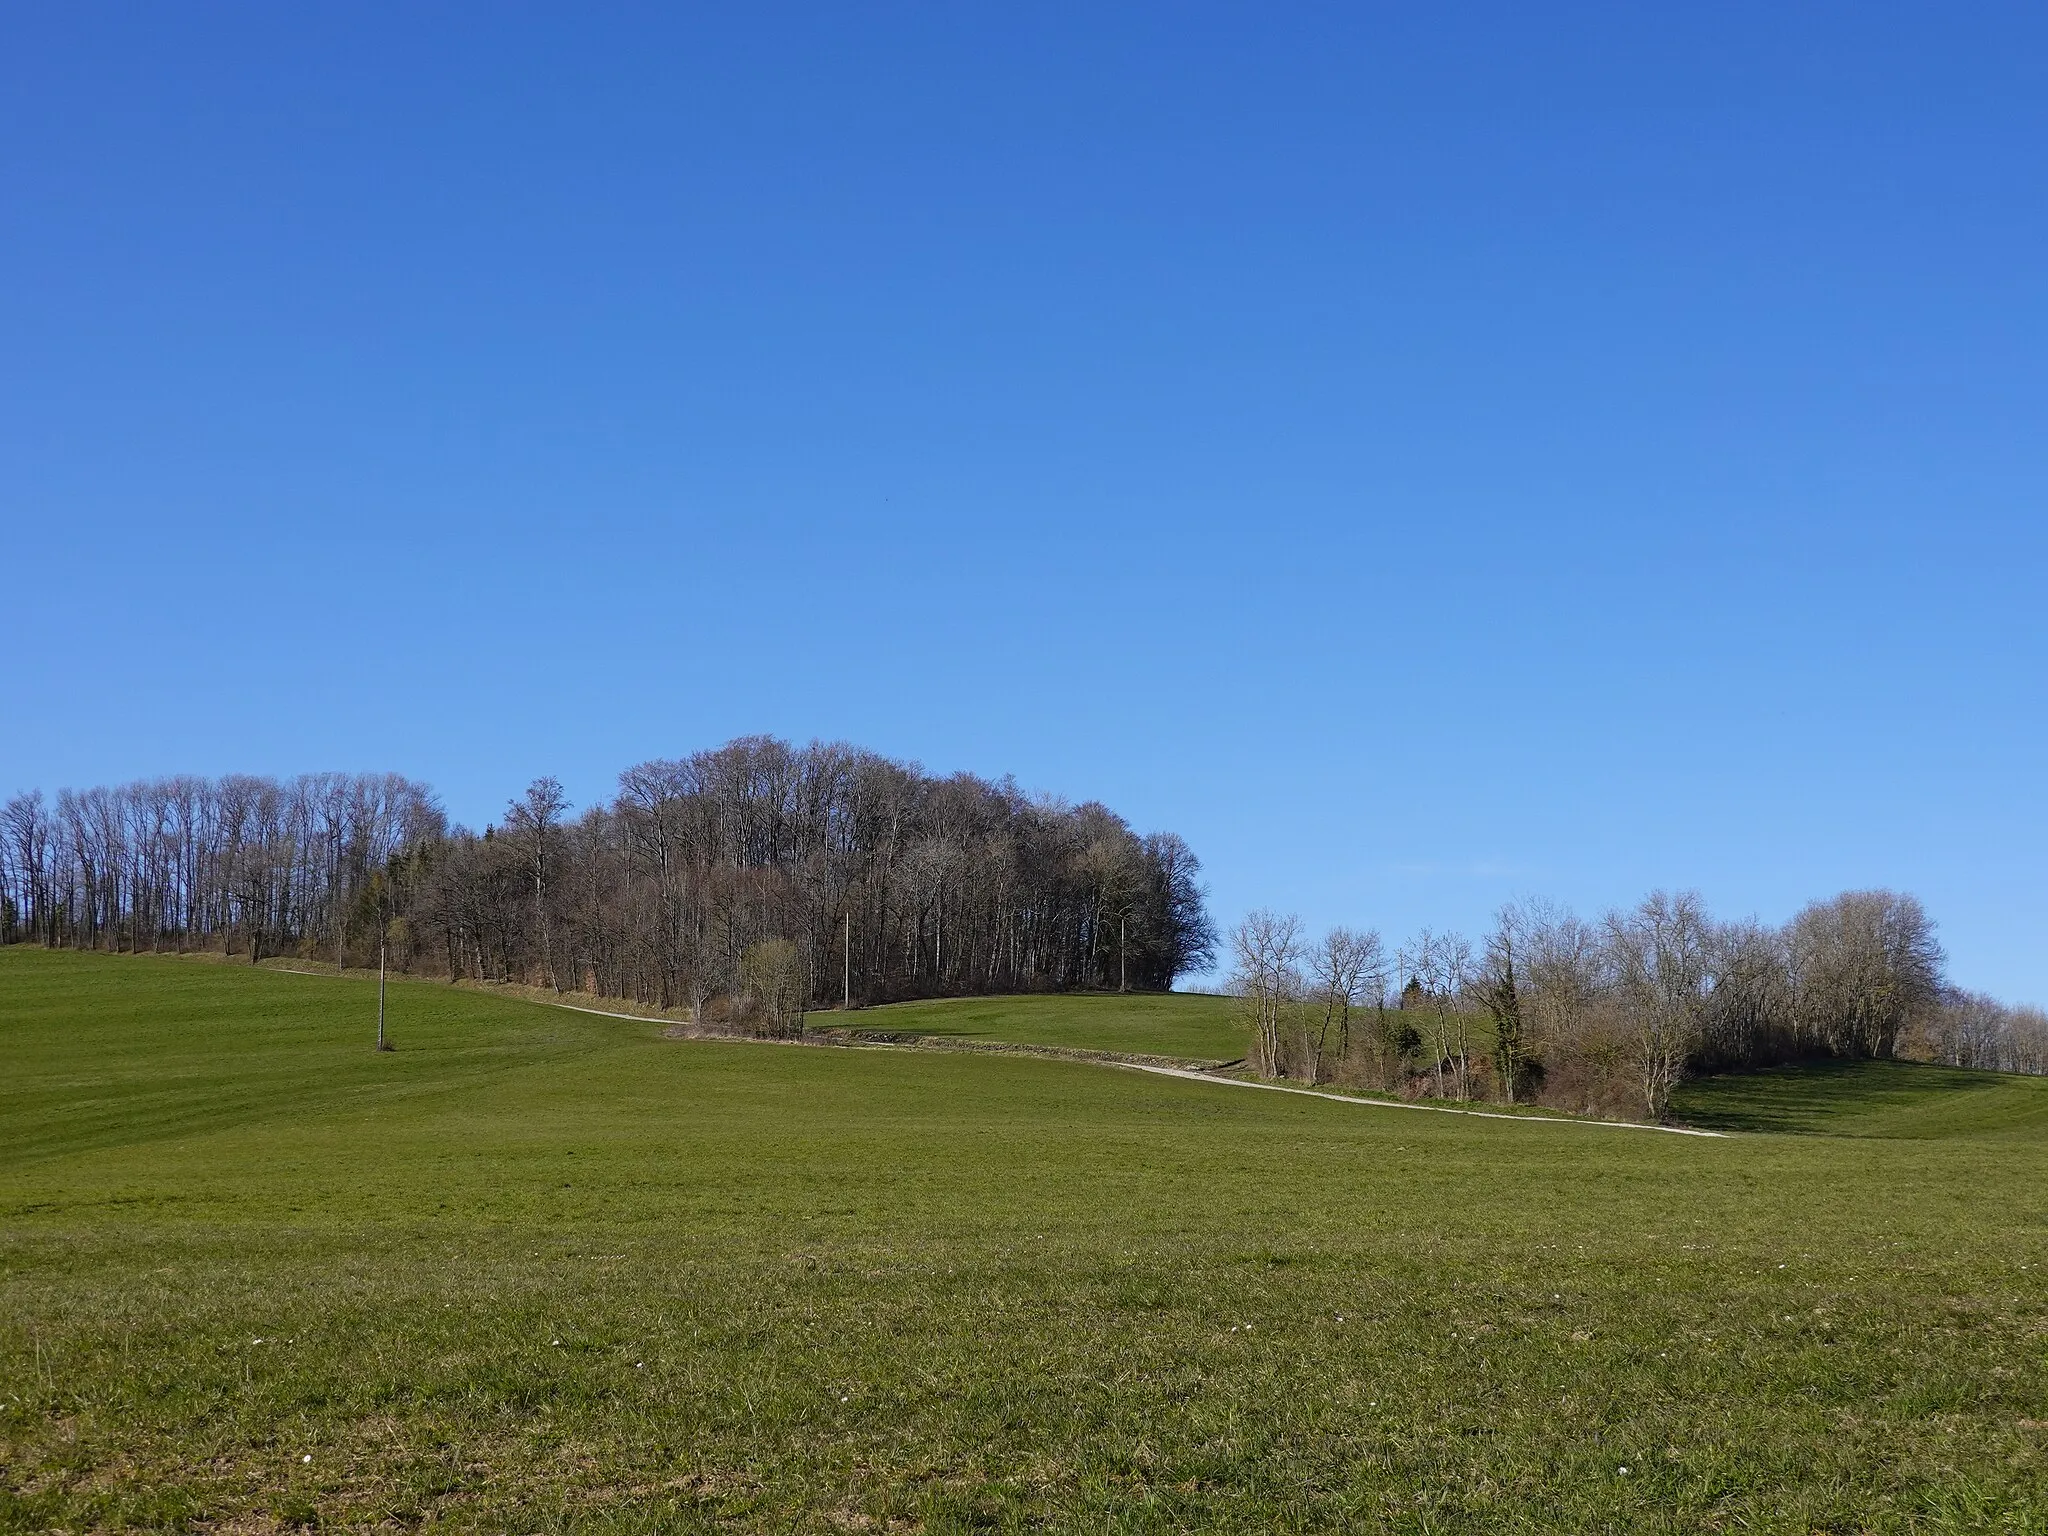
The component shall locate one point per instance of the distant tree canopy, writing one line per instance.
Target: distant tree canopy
(884, 881)
(1608, 1016)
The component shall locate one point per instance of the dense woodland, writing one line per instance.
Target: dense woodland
(746, 883)
(752, 883)
(1607, 1016)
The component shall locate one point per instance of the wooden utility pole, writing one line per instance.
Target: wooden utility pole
(340, 965)
(382, 1043)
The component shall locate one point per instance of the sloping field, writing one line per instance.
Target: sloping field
(539, 1270)
(1191, 1025)
(1894, 1099)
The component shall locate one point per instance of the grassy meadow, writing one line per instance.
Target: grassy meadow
(1189, 1026)
(540, 1271)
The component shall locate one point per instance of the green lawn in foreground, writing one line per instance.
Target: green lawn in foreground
(1193, 1025)
(538, 1270)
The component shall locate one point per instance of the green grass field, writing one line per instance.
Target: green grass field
(542, 1271)
(1191, 1026)
(1893, 1099)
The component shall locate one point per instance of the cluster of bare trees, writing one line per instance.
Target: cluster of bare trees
(1607, 1016)
(754, 881)
(1972, 1030)
(240, 864)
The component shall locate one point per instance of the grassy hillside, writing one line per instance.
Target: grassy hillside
(1870, 1098)
(1190, 1025)
(542, 1270)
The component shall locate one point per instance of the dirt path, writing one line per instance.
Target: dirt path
(1159, 1066)
(1430, 1109)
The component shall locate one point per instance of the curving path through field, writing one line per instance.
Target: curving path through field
(1434, 1109)
(1161, 1068)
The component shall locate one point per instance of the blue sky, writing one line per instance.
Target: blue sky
(1423, 456)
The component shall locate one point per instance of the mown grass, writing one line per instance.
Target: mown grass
(537, 1270)
(1192, 1026)
(1870, 1098)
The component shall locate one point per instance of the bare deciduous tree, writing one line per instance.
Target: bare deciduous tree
(1661, 955)
(1865, 965)
(1267, 949)
(1345, 968)
(533, 818)
(774, 987)
(1439, 967)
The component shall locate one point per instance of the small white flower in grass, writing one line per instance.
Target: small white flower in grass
(1624, 1472)
(306, 1458)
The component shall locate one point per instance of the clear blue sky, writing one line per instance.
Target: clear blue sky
(1423, 455)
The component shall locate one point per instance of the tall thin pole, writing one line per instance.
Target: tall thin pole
(1121, 951)
(382, 1043)
(846, 967)
(340, 965)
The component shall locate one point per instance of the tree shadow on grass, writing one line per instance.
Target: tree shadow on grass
(1825, 1098)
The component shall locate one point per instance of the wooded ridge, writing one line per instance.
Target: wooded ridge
(756, 881)
(757, 878)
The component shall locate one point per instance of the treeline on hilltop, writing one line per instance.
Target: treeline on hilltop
(1608, 1016)
(747, 882)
